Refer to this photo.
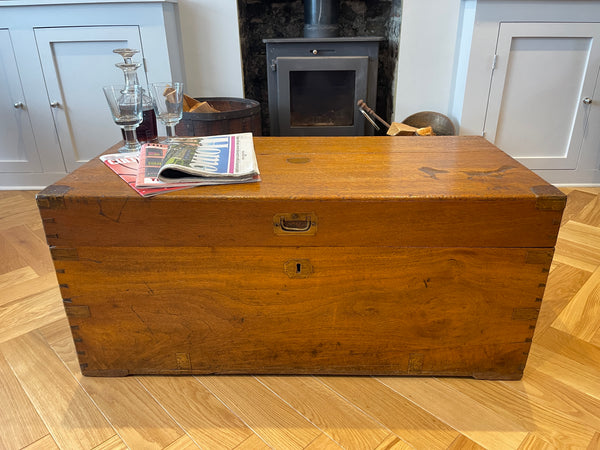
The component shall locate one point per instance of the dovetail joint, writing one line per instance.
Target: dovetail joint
(64, 254)
(79, 311)
(525, 313)
(539, 256)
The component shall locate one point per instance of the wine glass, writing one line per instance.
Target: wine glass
(168, 104)
(126, 109)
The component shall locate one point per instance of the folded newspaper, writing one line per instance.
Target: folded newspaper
(210, 160)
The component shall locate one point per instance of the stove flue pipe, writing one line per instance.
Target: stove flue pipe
(321, 18)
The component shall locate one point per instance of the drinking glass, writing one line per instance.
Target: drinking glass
(168, 104)
(126, 109)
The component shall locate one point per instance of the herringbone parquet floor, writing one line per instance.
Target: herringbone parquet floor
(46, 403)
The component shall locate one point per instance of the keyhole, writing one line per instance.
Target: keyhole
(298, 268)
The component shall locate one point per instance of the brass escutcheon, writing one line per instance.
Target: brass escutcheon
(298, 268)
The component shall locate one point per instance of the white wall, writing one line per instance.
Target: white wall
(427, 59)
(211, 48)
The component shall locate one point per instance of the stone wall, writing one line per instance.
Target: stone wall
(268, 19)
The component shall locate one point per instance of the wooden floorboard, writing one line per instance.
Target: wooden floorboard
(46, 403)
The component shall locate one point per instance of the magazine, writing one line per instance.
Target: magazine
(126, 166)
(220, 159)
(151, 158)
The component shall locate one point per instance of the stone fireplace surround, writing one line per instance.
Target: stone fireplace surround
(269, 19)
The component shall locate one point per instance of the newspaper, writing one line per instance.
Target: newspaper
(126, 166)
(220, 159)
(151, 158)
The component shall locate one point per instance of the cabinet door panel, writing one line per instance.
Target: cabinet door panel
(18, 152)
(535, 107)
(77, 62)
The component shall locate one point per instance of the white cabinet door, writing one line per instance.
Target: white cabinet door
(77, 62)
(538, 105)
(18, 151)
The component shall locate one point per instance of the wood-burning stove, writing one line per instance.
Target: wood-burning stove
(315, 83)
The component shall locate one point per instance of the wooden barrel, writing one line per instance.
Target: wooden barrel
(236, 115)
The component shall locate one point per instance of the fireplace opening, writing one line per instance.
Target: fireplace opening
(308, 89)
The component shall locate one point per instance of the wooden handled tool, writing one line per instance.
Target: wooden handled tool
(362, 105)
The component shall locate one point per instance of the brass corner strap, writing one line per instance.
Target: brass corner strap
(52, 197)
(549, 198)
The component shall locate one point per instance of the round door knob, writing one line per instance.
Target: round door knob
(587, 101)
(314, 52)
(20, 105)
(55, 104)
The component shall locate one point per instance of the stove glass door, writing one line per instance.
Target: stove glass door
(318, 95)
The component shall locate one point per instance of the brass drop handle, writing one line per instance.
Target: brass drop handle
(295, 223)
(587, 101)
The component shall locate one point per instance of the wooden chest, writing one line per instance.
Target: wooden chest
(355, 255)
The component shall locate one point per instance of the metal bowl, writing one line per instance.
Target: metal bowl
(441, 124)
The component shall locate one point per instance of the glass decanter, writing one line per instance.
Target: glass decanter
(146, 131)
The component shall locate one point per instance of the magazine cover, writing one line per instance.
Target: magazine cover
(151, 158)
(126, 166)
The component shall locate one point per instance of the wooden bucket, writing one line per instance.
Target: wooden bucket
(236, 115)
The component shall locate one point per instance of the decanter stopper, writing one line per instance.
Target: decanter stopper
(126, 53)
(146, 131)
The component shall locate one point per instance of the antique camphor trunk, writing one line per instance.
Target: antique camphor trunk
(354, 255)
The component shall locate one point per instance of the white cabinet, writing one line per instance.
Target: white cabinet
(542, 92)
(56, 59)
(76, 63)
(17, 145)
(532, 84)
